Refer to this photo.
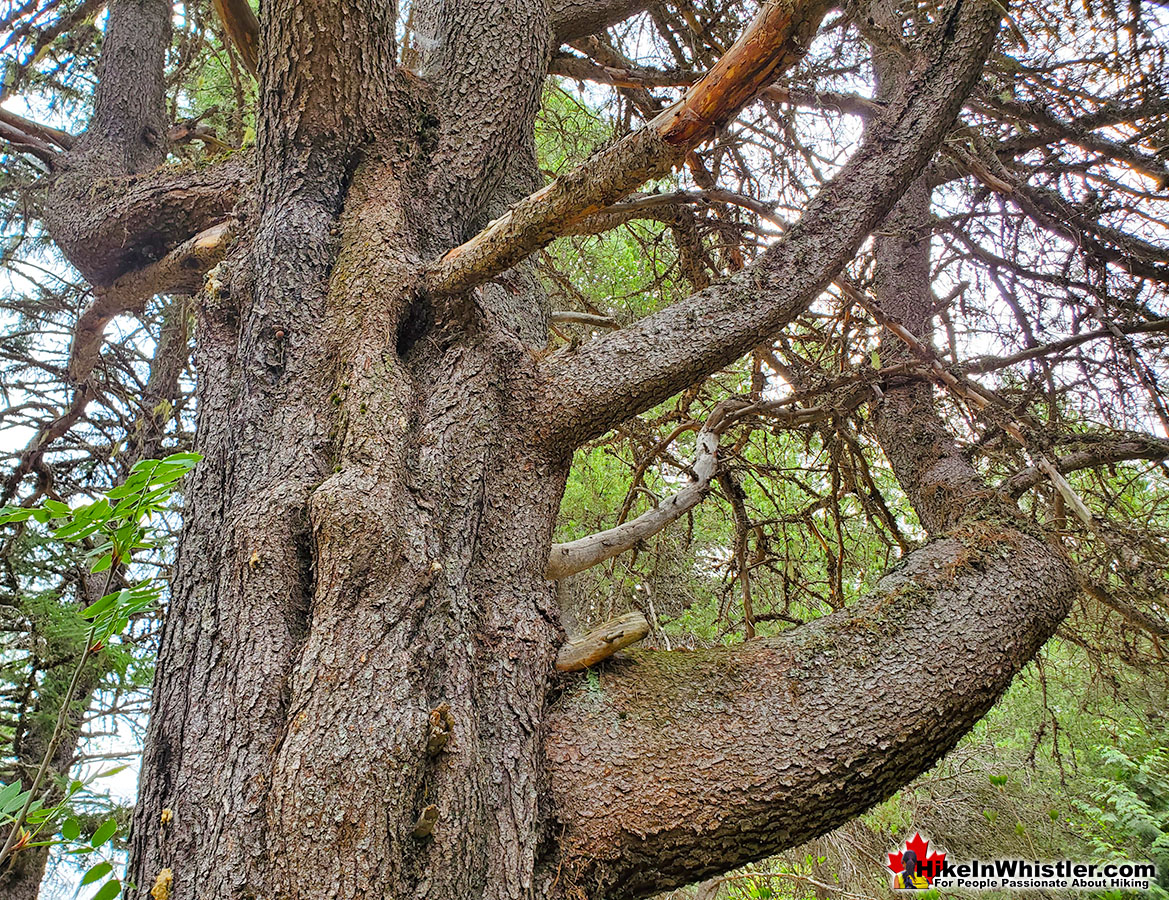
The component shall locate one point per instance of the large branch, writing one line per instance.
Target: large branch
(243, 28)
(777, 37)
(1107, 453)
(685, 764)
(108, 227)
(609, 379)
(572, 19)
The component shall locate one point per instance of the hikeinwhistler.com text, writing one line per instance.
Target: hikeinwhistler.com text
(1021, 874)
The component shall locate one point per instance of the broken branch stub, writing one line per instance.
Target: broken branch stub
(603, 642)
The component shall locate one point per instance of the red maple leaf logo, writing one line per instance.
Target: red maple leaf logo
(929, 864)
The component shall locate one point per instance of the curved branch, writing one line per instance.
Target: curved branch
(611, 378)
(180, 271)
(108, 227)
(686, 764)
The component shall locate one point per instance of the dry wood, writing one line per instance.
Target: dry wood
(775, 40)
(603, 642)
(181, 270)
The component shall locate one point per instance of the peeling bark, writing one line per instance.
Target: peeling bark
(775, 40)
(352, 693)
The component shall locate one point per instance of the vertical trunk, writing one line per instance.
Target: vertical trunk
(941, 485)
(359, 547)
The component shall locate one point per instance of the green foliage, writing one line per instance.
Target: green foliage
(1127, 814)
(111, 529)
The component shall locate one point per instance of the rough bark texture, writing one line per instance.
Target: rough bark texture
(682, 764)
(630, 370)
(364, 556)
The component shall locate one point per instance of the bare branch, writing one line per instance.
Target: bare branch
(242, 26)
(609, 379)
(1125, 450)
(772, 42)
(62, 139)
(576, 556)
(572, 19)
(571, 317)
(180, 271)
(993, 363)
(602, 642)
(582, 69)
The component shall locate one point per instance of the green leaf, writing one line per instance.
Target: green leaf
(130, 486)
(109, 890)
(97, 608)
(70, 829)
(8, 792)
(102, 564)
(42, 515)
(58, 509)
(93, 512)
(189, 459)
(145, 465)
(107, 830)
(96, 872)
(14, 803)
(14, 514)
(75, 531)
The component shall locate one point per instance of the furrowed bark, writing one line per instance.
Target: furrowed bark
(472, 83)
(775, 40)
(611, 378)
(239, 613)
(684, 765)
(569, 20)
(930, 467)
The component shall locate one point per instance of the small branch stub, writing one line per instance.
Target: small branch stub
(603, 642)
(427, 819)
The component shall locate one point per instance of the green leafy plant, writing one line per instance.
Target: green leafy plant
(113, 528)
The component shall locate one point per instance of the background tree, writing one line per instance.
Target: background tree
(355, 692)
